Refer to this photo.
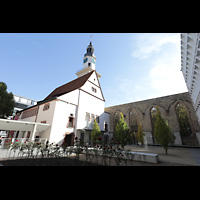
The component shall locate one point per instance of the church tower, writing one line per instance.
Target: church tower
(89, 62)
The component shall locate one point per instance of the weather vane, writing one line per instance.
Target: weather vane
(91, 38)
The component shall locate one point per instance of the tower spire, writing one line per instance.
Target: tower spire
(91, 38)
(89, 61)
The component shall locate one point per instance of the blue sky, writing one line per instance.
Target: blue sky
(134, 66)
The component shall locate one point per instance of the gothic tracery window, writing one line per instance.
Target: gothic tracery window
(183, 119)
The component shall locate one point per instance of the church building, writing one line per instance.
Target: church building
(70, 110)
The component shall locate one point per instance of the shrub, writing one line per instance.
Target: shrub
(122, 134)
(162, 132)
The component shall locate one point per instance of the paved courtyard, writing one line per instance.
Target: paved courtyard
(184, 156)
(179, 156)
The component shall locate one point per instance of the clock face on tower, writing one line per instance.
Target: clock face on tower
(85, 60)
(93, 60)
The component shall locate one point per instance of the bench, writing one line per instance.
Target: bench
(144, 157)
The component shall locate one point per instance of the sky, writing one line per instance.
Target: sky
(134, 66)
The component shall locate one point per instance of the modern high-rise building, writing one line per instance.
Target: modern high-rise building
(190, 67)
(22, 103)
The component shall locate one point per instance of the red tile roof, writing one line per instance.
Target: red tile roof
(69, 87)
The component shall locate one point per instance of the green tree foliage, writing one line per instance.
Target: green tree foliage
(122, 134)
(162, 132)
(140, 135)
(183, 120)
(96, 133)
(7, 102)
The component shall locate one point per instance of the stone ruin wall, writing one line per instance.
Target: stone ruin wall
(167, 106)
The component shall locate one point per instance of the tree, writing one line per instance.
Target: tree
(122, 134)
(7, 102)
(162, 132)
(140, 135)
(183, 120)
(96, 133)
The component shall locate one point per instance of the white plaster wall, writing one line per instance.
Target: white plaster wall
(104, 117)
(93, 79)
(61, 116)
(88, 87)
(71, 97)
(85, 65)
(89, 104)
(47, 116)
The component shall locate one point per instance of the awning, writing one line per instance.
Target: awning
(15, 125)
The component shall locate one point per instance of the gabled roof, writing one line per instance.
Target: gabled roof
(69, 87)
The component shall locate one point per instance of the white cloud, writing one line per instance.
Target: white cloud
(165, 75)
(150, 43)
(162, 53)
(159, 56)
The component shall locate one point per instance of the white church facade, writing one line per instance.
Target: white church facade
(70, 110)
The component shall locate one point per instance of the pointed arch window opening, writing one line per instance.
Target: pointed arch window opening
(133, 121)
(153, 113)
(116, 119)
(183, 120)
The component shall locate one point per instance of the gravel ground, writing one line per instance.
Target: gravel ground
(176, 155)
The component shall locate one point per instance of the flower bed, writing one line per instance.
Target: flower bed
(98, 154)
